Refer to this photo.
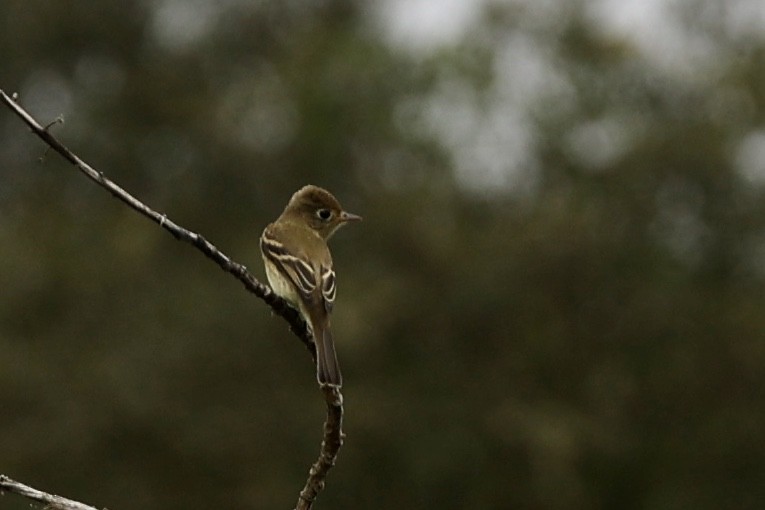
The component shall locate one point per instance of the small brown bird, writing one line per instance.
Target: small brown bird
(299, 267)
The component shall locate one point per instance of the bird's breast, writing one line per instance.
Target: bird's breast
(281, 285)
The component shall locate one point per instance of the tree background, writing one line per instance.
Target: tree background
(555, 300)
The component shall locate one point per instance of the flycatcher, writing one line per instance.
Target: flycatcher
(299, 267)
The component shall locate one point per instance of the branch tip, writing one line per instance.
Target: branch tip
(57, 120)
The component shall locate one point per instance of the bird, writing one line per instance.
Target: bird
(299, 268)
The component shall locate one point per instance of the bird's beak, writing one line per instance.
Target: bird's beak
(346, 216)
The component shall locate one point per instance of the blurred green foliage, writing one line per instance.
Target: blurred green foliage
(555, 301)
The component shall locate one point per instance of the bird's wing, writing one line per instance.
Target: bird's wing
(328, 288)
(298, 271)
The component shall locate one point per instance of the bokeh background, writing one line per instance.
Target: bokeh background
(556, 299)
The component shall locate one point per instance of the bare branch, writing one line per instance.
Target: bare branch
(239, 271)
(333, 435)
(333, 440)
(52, 501)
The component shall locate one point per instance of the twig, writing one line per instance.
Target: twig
(239, 271)
(52, 501)
(333, 435)
(333, 440)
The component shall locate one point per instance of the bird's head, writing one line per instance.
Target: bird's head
(319, 209)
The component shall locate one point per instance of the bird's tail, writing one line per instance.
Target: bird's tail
(327, 368)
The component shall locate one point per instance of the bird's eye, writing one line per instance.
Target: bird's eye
(324, 214)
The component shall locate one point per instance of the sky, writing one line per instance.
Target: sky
(494, 147)
(491, 138)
